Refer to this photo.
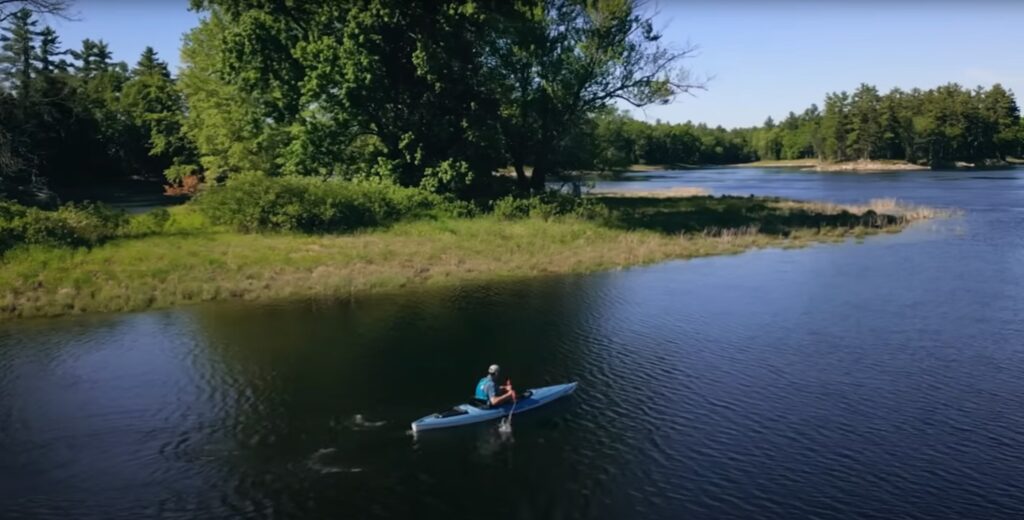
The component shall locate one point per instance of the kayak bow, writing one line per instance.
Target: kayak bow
(470, 413)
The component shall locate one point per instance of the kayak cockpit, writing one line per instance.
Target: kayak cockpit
(454, 412)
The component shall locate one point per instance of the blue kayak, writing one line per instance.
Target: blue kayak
(473, 413)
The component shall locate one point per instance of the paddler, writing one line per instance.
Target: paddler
(487, 388)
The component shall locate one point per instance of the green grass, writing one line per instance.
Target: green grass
(192, 261)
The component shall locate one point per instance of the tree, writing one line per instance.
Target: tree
(1001, 117)
(836, 126)
(46, 56)
(154, 105)
(224, 121)
(94, 58)
(17, 48)
(394, 88)
(896, 126)
(560, 60)
(865, 135)
(9, 8)
(615, 144)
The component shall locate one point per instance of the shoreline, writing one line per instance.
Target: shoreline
(816, 165)
(867, 166)
(876, 165)
(212, 264)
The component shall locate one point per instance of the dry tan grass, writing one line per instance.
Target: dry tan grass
(668, 193)
(906, 211)
(864, 165)
(783, 163)
(730, 234)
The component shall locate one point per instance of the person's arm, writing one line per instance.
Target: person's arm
(496, 399)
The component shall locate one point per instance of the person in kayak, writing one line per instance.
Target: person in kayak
(486, 388)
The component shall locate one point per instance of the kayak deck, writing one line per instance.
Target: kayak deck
(469, 413)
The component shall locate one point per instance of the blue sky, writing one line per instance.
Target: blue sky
(766, 57)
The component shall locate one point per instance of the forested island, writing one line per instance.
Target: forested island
(329, 148)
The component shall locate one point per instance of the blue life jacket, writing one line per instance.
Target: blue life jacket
(482, 387)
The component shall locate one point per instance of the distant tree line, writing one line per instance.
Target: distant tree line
(935, 127)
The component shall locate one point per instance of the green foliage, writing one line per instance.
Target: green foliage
(558, 62)
(450, 176)
(223, 120)
(548, 205)
(152, 222)
(155, 107)
(938, 127)
(429, 94)
(70, 122)
(71, 225)
(254, 202)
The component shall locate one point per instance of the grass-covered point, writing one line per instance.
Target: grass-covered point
(265, 238)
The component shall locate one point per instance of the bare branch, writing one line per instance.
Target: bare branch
(58, 8)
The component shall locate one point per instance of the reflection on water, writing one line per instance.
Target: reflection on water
(841, 381)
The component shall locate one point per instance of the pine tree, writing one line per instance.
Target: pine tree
(17, 48)
(94, 58)
(155, 107)
(865, 124)
(836, 126)
(1002, 116)
(46, 56)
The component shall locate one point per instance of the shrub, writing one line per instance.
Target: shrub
(93, 223)
(547, 206)
(149, 223)
(254, 202)
(71, 225)
(511, 208)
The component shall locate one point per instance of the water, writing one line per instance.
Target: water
(879, 379)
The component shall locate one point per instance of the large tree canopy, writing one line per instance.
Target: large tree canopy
(439, 94)
(560, 61)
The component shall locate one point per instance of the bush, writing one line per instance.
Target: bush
(511, 208)
(547, 206)
(93, 223)
(254, 202)
(150, 223)
(71, 225)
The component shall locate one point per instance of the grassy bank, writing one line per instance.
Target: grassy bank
(193, 261)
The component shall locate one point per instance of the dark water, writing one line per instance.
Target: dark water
(881, 379)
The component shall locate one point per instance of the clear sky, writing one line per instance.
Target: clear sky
(766, 57)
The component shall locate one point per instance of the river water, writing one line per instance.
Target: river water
(875, 379)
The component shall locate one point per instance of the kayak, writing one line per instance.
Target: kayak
(470, 413)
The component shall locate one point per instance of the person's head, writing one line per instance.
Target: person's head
(493, 371)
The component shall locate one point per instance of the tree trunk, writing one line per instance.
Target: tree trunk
(538, 178)
(522, 181)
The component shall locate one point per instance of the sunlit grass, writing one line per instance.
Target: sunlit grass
(193, 261)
